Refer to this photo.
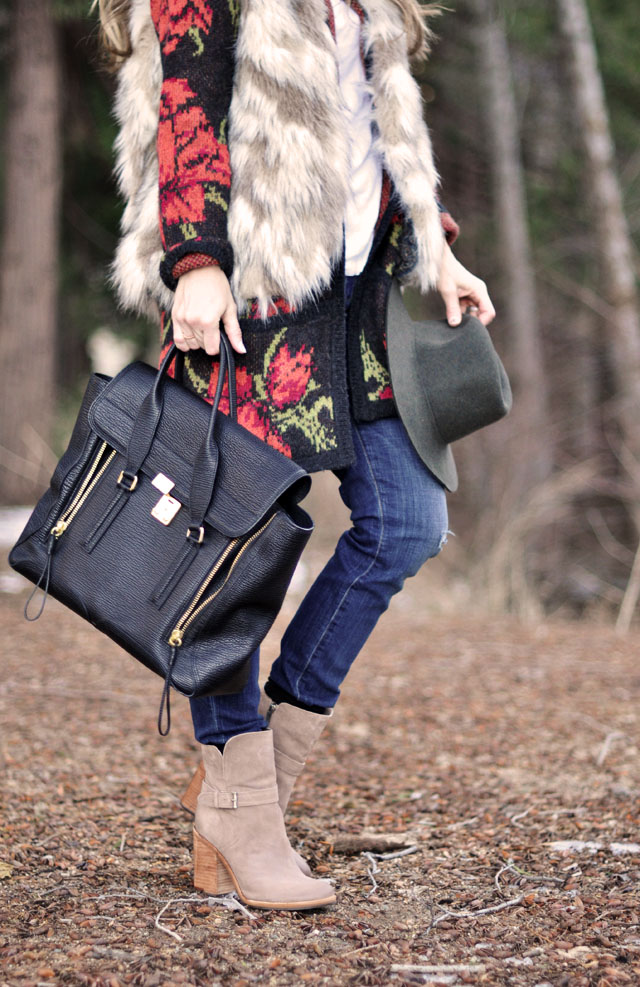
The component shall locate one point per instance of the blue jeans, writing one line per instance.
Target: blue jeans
(399, 520)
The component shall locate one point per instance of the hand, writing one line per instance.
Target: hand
(462, 290)
(203, 299)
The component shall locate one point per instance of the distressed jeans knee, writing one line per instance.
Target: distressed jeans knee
(399, 515)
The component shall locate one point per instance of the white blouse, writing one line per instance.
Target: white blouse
(365, 182)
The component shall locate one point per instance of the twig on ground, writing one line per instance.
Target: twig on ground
(372, 842)
(606, 746)
(125, 894)
(373, 867)
(114, 797)
(398, 853)
(591, 720)
(229, 901)
(441, 969)
(562, 812)
(514, 869)
(474, 914)
(520, 815)
(360, 949)
(497, 877)
(163, 928)
(465, 822)
(546, 812)
(371, 870)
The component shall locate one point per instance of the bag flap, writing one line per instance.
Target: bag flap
(251, 475)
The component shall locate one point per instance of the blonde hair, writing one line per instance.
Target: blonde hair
(114, 30)
(416, 16)
(116, 43)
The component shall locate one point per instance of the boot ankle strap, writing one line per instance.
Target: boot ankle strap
(214, 799)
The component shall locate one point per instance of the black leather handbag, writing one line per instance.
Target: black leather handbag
(169, 527)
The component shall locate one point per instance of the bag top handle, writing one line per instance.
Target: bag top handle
(148, 420)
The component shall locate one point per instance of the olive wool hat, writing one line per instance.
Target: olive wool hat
(447, 382)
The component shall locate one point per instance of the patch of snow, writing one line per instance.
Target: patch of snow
(12, 582)
(12, 521)
(576, 846)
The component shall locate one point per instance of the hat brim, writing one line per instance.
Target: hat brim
(405, 382)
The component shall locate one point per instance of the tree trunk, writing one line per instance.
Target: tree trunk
(29, 254)
(533, 458)
(614, 243)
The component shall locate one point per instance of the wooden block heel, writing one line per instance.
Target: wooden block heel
(189, 798)
(209, 872)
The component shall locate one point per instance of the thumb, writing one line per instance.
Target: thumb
(232, 329)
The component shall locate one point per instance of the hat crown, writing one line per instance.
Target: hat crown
(447, 382)
(461, 377)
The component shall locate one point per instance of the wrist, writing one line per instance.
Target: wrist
(210, 273)
(193, 262)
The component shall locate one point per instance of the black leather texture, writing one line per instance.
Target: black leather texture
(231, 547)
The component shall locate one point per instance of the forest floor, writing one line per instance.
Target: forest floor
(503, 756)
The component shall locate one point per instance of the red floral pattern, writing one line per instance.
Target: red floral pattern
(189, 155)
(263, 397)
(252, 414)
(288, 376)
(175, 18)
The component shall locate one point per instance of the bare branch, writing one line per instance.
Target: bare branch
(163, 928)
(630, 598)
(474, 914)
(398, 853)
(608, 740)
(438, 968)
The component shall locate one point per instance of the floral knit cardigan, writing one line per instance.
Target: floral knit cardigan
(306, 372)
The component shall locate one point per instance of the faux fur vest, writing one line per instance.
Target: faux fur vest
(288, 152)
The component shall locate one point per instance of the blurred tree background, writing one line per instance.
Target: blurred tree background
(537, 144)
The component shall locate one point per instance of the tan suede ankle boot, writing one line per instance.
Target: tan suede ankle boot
(240, 841)
(189, 801)
(295, 732)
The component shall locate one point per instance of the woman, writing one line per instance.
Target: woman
(295, 181)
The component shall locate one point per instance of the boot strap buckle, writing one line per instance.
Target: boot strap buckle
(237, 800)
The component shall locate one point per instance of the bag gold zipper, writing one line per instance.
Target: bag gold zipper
(86, 487)
(197, 605)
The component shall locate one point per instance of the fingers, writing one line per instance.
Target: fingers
(478, 298)
(202, 301)
(461, 289)
(184, 335)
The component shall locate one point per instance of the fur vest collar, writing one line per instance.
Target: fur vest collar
(288, 151)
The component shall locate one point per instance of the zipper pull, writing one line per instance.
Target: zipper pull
(45, 574)
(59, 528)
(166, 694)
(175, 638)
